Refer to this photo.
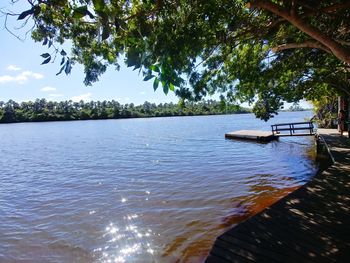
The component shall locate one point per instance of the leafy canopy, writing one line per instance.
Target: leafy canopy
(262, 51)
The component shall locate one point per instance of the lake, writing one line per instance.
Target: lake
(138, 190)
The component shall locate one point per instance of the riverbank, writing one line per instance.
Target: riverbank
(308, 225)
(41, 110)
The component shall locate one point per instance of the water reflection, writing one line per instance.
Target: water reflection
(126, 242)
(194, 242)
(156, 190)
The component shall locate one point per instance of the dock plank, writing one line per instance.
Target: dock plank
(299, 242)
(216, 259)
(262, 136)
(253, 248)
(263, 239)
(308, 225)
(223, 253)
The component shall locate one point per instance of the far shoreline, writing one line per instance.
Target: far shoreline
(125, 118)
(139, 117)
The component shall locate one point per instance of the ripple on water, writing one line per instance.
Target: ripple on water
(141, 190)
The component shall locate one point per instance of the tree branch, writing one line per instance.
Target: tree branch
(330, 10)
(275, 23)
(8, 30)
(337, 49)
(334, 8)
(306, 44)
(345, 43)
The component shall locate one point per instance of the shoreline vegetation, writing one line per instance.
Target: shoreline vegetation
(42, 110)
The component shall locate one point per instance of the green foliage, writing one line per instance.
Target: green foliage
(42, 110)
(198, 48)
(326, 111)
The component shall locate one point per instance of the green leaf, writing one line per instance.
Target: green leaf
(46, 60)
(155, 84)
(90, 14)
(165, 88)
(63, 53)
(80, 12)
(105, 31)
(116, 23)
(148, 77)
(98, 5)
(45, 55)
(155, 68)
(172, 87)
(163, 69)
(63, 60)
(68, 67)
(45, 41)
(62, 68)
(36, 10)
(133, 59)
(25, 14)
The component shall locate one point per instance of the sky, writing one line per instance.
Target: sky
(23, 78)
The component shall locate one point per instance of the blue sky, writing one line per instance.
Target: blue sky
(22, 78)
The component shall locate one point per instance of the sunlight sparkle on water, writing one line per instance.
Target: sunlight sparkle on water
(127, 241)
(116, 183)
(128, 250)
(130, 217)
(119, 259)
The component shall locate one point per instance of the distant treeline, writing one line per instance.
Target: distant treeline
(43, 110)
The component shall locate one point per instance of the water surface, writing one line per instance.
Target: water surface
(138, 190)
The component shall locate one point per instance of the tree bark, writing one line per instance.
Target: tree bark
(306, 44)
(337, 49)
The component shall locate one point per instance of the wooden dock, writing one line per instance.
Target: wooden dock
(309, 225)
(277, 130)
(262, 136)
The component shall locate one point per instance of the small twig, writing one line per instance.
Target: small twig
(210, 54)
(30, 30)
(30, 2)
(293, 9)
(8, 30)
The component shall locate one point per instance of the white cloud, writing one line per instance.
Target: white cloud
(48, 88)
(55, 95)
(13, 68)
(142, 93)
(84, 97)
(20, 78)
(28, 73)
(6, 78)
(38, 76)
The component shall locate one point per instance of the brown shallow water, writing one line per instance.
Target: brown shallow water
(141, 190)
